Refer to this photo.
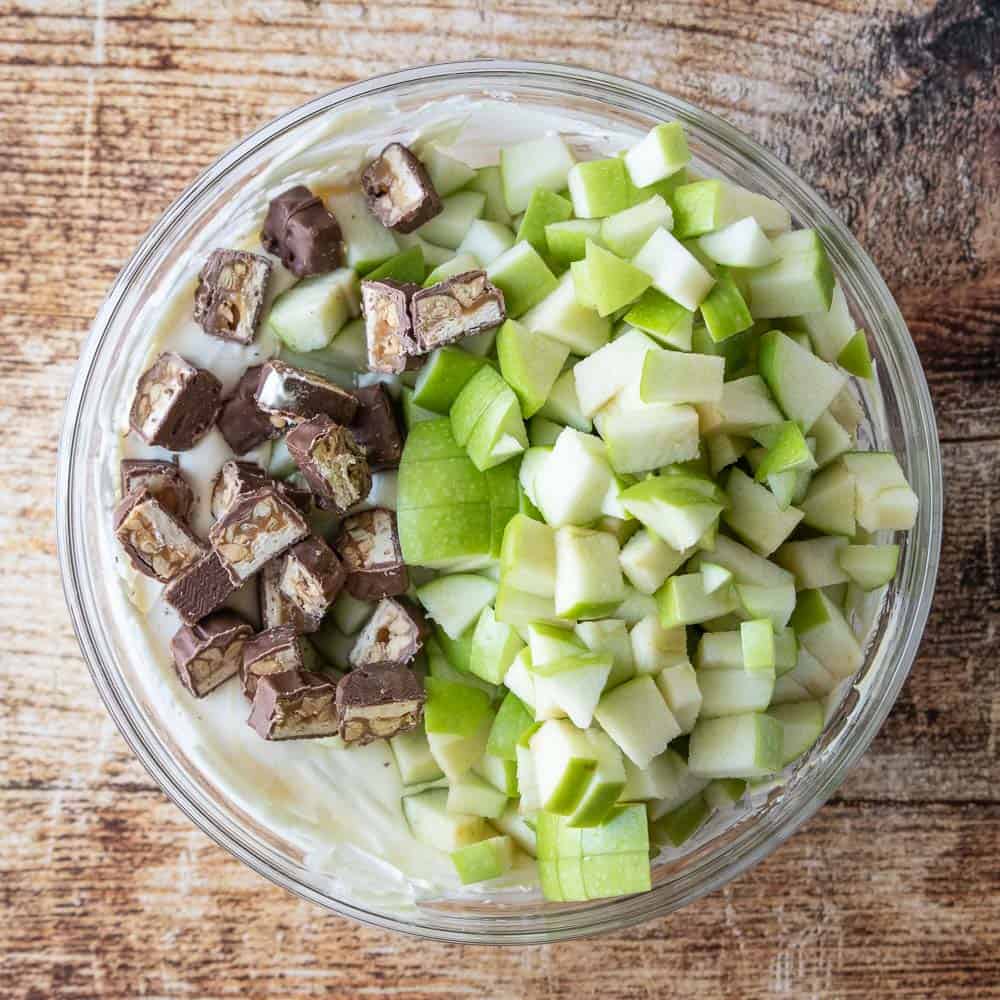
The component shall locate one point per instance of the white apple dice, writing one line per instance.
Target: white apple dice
(659, 780)
(564, 760)
(528, 556)
(606, 372)
(757, 642)
(610, 635)
(678, 509)
(775, 603)
(535, 163)
(484, 241)
(570, 686)
(494, 646)
(310, 314)
(815, 562)
(523, 277)
(636, 717)
(682, 600)
(589, 580)
(432, 824)
(675, 377)
(413, 756)
(884, 498)
(519, 608)
(647, 561)
(457, 718)
(822, 629)
(709, 205)
(624, 233)
(655, 647)
(659, 154)
(746, 404)
(674, 270)
(448, 174)
(605, 282)
(801, 725)
(869, 566)
(573, 482)
(830, 502)
(738, 746)
(532, 462)
(802, 384)
(530, 363)
(598, 188)
(666, 321)
(731, 692)
(560, 316)
(512, 824)
(456, 602)
(366, 241)
(830, 330)
(740, 244)
(487, 859)
(800, 281)
(680, 689)
(449, 226)
(567, 241)
(755, 515)
(606, 782)
(472, 794)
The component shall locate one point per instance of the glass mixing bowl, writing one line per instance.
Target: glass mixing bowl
(899, 416)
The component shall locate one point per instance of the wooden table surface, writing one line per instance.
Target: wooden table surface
(892, 109)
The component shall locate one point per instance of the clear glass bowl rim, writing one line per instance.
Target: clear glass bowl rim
(902, 369)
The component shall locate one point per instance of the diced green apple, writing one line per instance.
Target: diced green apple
(738, 746)
(562, 406)
(606, 282)
(674, 270)
(658, 155)
(458, 212)
(485, 860)
(475, 398)
(665, 320)
(564, 760)
(527, 783)
(485, 241)
(545, 208)
(755, 515)
(520, 681)
(672, 509)
(830, 504)
(520, 608)
(746, 404)
(674, 377)
(740, 244)
(457, 264)
(512, 721)
(473, 795)
(598, 188)
(589, 581)
(523, 277)
(543, 432)
(432, 824)
(659, 780)
(606, 372)
(567, 241)
(413, 758)
(800, 281)
(571, 486)
(456, 602)
(443, 377)
(407, 267)
(708, 205)
(514, 825)
(884, 498)
(830, 330)
(801, 725)
(494, 646)
(714, 576)
(822, 629)
(636, 717)
(679, 686)
(682, 601)
(530, 362)
(448, 174)
(610, 635)
(731, 692)
(367, 242)
(625, 232)
(775, 603)
(856, 357)
(757, 641)
(570, 686)
(655, 647)
(647, 561)
(803, 385)
(543, 163)
(869, 566)
(814, 561)
(311, 313)
(606, 783)
(724, 310)
(528, 556)
(489, 182)
(499, 433)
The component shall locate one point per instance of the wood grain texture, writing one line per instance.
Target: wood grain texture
(891, 109)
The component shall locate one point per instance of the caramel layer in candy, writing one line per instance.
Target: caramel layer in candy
(235, 478)
(157, 543)
(200, 590)
(274, 651)
(298, 705)
(399, 191)
(290, 395)
(275, 608)
(394, 635)
(331, 461)
(230, 294)
(175, 403)
(388, 325)
(210, 652)
(368, 545)
(375, 703)
(302, 232)
(311, 578)
(163, 479)
(242, 422)
(461, 306)
(376, 427)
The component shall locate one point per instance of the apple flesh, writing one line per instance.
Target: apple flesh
(748, 745)
(487, 859)
(431, 823)
(530, 363)
(636, 717)
(523, 277)
(589, 580)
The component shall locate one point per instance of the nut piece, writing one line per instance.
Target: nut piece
(258, 527)
(332, 462)
(276, 609)
(242, 422)
(375, 703)
(302, 232)
(275, 651)
(157, 543)
(230, 294)
(311, 578)
(294, 706)
(376, 428)
(388, 327)
(368, 545)
(461, 306)
(289, 395)
(200, 590)
(394, 635)
(210, 652)
(163, 479)
(399, 191)
(234, 479)
(175, 403)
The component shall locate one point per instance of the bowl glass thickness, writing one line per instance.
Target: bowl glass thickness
(900, 418)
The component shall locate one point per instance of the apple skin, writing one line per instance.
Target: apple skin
(443, 377)
(484, 860)
(530, 362)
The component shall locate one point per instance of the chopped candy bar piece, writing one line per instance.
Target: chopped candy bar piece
(301, 231)
(275, 608)
(294, 706)
(274, 651)
(399, 191)
(163, 479)
(375, 703)
(459, 307)
(157, 543)
(234, 479)
(210, 652)
(394, 635)
(388, 326)
(175, 403)
(242, 422)
(290, 395)
(368, 545)
(376, 428)
(200, 590)
(311, 578)
(258, 527)
(230, 294)
(331, 461)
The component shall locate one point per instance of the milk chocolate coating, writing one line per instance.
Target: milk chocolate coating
(332, 462)
(388, 325)
(230, 295)
(368, 545)
(312, 577)
(464, 305)
(399, 191)
(378, 703)
(290, 395)
(274, 651)
(297, 705)
(242, 422)
(199, 591)
(175, 403)
(303, 233)
(210, 652)
(157, 543)
(163, 479)
(376, 427)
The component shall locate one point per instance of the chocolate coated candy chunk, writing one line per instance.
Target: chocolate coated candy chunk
(376, 428)
(375, 703)
(175, 403)
(200, 590)
(256, 528)
(294, 706)
(157, 543)
(459, 307)
(332, 462)
(290, 395)
(274, 651)
(163, 479)
(394, 635)
(301, 231)
(399, 191)
(275, 608)
(234, 479)
(230, 294)
(311, 578)
(242, 422)
(388, 326)
(368, 545)
(210, 652)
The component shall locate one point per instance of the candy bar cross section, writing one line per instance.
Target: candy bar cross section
(464, 305)
(163, 479)
(331, 461)
(399, 191)
(388, 325)
(175, 403)
(235, 478)
(275, 608)
(394, 635)
(290, 395)
(368, 545)
(274, 651)
(311, 578)
(296, 705)
(230, 295)
(157, 543)
(303, 233)
(210, 652)
(378, 702)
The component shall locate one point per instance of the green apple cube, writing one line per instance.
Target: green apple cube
(407, 267)
(454, 753)
(830, 502)
(856, 357)
(311, 313)
(431, 823)
(442, 378)
(598, 188)
(810, 675)
(724, 311)
(869, 566)
(681, 823)
(605, 282)
(544, 208)
(520, 608)
(606, 783)
(413, 758)
(571, 486)
(458, 212)
(776, 603)
(625, 232)
(449, 658)
(755, 515)
(528, 556)
(679, 686)
(434, 256)
(562, 407)
(686, 786)
(448, 174)
(666, 321)
(672, 510)
(520, 681)
(485, 241)
(570, 686)
(636, 717)
(530, 362)
(801, 725)
(847, 410)
(457, 264)
(606, 372)
(786, 650)
(559, 315)
(815, 562)
(550, 643)
(658, 780)
(349, 614)
(485, 860)
(788, 691)
(589, 580)
(527, 783)
(714, 576)
(642, 436)
(455, 709)
(567, 241)
(456, 602)
(521, 832)
(476, 796)
(682, 601)
(740, 244)
(674, 270)
(536, 163)
(475, 398)
(564, 760)
(438, 484)
(647, 561)
(512, 721)
(609, 635)
(737, 746)
(745, 405)
(826, 634)
(802, 384)
(366, 241)
(494, 646)
(499, 434)
(709, 205)
(614, 512)
(655, 647)
(531, 465)
(674, 377)
(788, 451)
(523, 277)
(543, 432)
(885, 501)
(719, 651)
(659, 154)
(489, 182)
(830, 330)
(725, 450)
(347, 351)
(455, 537)
(799, 282)
(757, 639)
(724, 793)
